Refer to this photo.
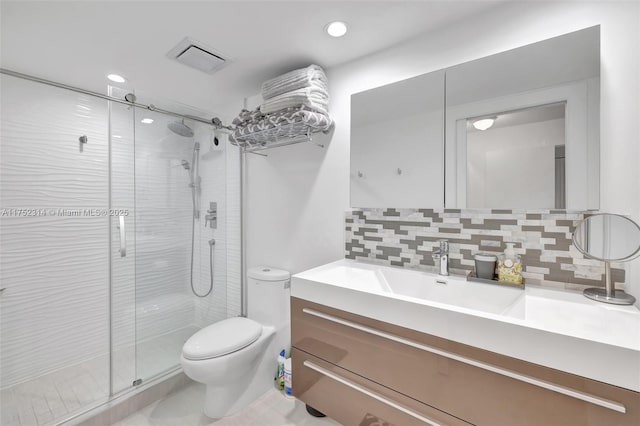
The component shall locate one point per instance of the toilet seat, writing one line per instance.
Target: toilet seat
(222, 338)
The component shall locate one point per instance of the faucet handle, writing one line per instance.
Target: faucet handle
(435, 254)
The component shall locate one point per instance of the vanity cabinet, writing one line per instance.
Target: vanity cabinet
(348, 366)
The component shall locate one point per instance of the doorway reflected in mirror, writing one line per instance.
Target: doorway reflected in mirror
(516, 159)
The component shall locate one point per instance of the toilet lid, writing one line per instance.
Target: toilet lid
(222, 338)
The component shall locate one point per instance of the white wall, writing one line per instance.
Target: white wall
(298, 195)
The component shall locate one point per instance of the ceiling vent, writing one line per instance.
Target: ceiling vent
(197, 55)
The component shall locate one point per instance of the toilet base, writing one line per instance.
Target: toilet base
(253, 377)
(228, 400)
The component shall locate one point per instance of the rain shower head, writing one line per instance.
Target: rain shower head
(185, 164)
(180, 129)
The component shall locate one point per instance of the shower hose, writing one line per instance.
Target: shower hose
(212, 243)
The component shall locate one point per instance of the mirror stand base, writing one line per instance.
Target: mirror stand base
(618, 297)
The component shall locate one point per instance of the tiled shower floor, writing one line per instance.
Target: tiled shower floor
(62, 393)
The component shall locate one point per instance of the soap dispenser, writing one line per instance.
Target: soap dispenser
(509, 266)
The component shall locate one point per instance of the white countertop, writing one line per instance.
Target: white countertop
(554, 328)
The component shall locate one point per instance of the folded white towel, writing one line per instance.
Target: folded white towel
(312, 97)
(311, 76)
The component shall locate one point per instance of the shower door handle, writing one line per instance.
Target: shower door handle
(123, 237)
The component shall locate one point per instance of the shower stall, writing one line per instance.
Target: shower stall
(106, 265)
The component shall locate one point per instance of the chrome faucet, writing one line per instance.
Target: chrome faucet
(442, 254)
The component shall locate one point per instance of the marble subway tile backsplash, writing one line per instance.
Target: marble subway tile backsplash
(407, 237)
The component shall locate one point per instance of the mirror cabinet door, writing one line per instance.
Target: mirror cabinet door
(522, 127)
(397, 144)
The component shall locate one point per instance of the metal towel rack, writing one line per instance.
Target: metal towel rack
(286, 134)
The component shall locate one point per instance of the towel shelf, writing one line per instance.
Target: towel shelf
(286, 134)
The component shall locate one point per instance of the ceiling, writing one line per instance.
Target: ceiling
(78, 43)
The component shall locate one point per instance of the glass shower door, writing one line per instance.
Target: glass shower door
(123, 244)
(172, 246)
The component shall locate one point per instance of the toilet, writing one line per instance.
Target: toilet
(236, 358)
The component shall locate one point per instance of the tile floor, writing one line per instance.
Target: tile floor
(49, 398)
(184, 408)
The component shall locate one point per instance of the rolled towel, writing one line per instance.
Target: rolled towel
(248, 117)
(313, 75)
(297, 114)
(312, 97)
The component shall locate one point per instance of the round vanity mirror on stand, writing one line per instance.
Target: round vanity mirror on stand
(609, 238)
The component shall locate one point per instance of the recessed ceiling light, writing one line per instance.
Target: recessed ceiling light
(484, 123)
(147, 120)
(116, 78)
(336, 29)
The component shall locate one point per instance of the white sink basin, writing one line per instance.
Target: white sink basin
(454, 291)
(431, 288)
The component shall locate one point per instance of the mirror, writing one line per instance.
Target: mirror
(522, 127)
(396, 144)
(610, 238)
(541, 150)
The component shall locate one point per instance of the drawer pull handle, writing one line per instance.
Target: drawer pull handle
(611, 405)
(369, 393)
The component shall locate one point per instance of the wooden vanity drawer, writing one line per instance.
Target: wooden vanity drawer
(472, 384)
(353, 400)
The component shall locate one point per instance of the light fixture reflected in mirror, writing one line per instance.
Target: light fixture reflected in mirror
(336, 28)
(116, 78)
(484, 123)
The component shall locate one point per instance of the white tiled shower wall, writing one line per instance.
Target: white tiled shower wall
(55, 269)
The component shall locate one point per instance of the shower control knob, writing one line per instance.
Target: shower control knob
(211, 218)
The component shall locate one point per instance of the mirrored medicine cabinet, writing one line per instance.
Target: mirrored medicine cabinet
(515, 130)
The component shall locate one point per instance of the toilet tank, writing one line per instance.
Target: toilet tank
(268, 296)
